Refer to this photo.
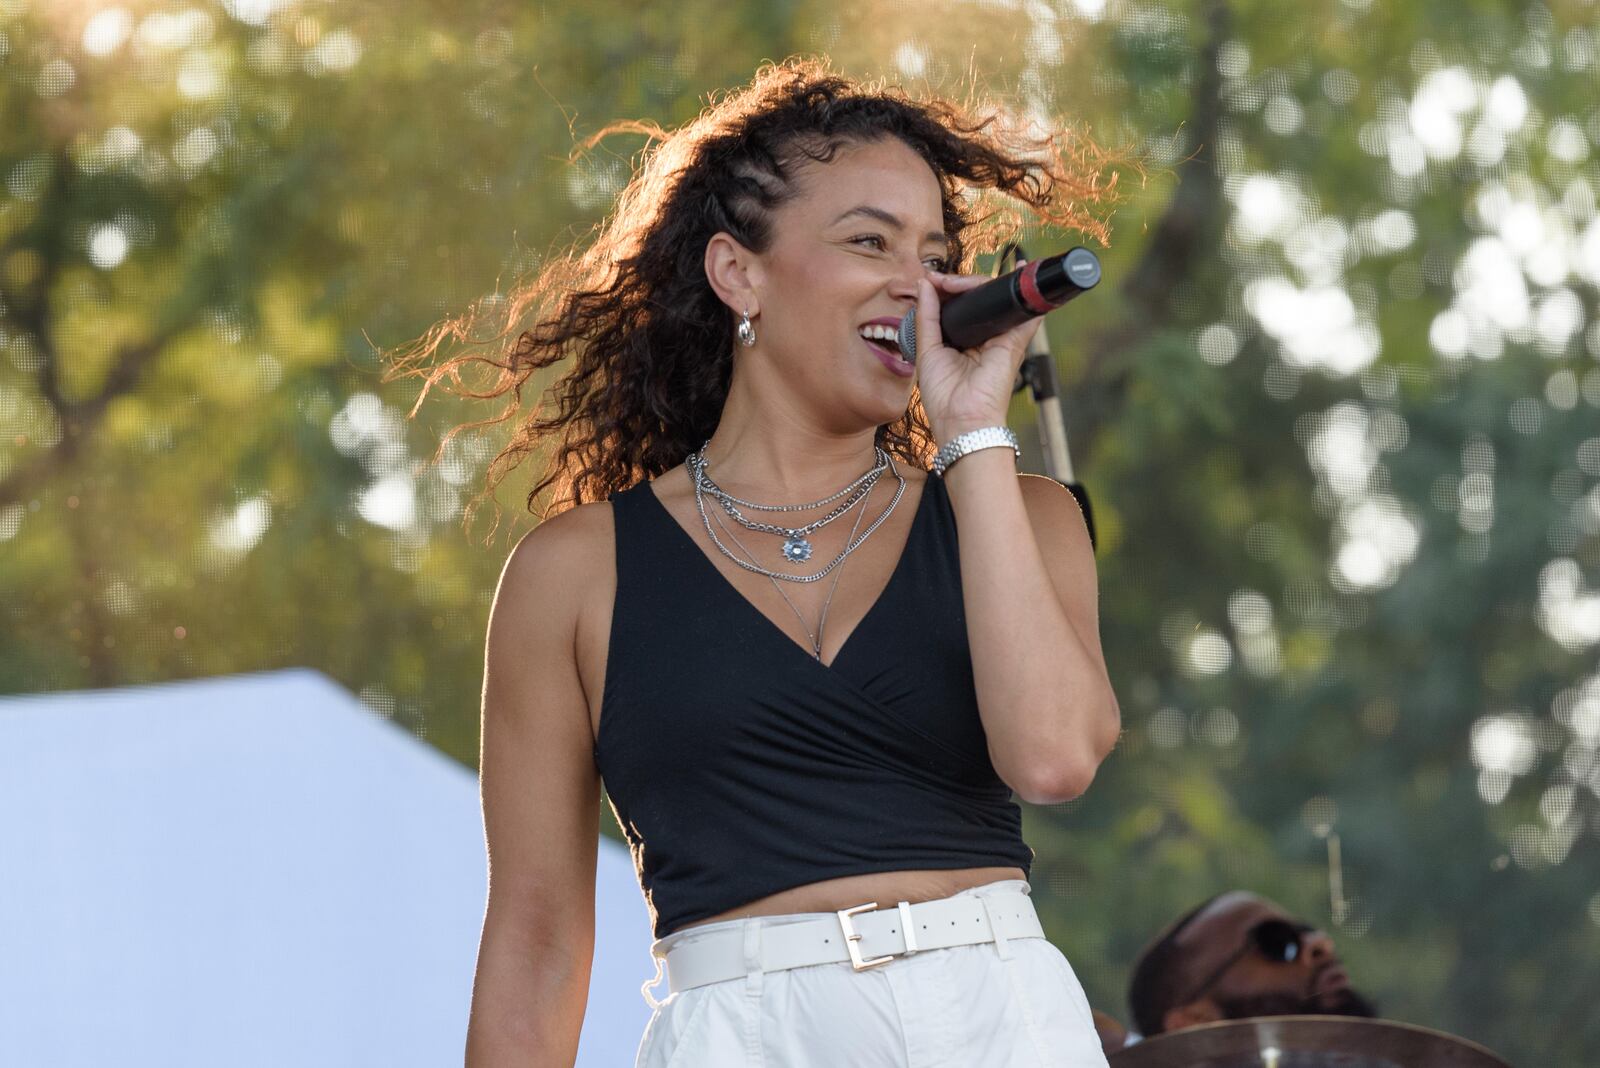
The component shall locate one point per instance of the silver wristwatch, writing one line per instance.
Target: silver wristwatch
(984, 437)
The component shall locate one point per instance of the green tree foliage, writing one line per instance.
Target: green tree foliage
(1335, 403)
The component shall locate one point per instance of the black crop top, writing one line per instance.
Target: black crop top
(738, 765)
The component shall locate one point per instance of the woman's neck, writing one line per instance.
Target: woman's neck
(772, 466)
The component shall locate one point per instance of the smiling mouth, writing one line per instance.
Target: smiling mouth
(890, 347)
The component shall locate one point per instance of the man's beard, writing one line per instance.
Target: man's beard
(1340, 1001)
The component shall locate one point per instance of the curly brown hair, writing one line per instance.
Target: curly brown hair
(653, 342)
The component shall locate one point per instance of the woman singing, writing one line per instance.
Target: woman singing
(808, 699)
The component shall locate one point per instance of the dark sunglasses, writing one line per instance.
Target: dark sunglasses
(1278, 941)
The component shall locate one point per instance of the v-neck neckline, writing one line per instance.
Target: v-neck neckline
(648, 488)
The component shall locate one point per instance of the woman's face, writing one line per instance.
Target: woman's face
(848, 249)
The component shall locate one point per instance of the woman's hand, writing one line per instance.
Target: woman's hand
(964, 389)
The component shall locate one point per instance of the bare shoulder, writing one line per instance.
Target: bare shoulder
(563, 556)
(1045, 491)
(1053, 509)
(570, 559)
(1062, 532)
(545, 590)
(567, 532)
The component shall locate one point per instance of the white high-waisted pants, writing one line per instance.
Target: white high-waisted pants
(957, 1007)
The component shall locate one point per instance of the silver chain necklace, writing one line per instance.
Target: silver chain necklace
(796, 546)
(816, 638)
(878, 468)
(697, 467)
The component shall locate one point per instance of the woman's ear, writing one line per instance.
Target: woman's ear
(734, 273)
(1199, 1011)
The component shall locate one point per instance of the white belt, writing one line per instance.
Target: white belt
(865, 938)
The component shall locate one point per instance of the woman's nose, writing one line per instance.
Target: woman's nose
(906, 281)
(908, 273)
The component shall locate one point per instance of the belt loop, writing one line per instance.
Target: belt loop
(753, 968)
(754, 973)
(1001, 944)
(908, 927)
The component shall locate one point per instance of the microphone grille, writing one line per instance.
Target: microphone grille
(908, 336)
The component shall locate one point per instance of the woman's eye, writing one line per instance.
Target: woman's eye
(936, 264)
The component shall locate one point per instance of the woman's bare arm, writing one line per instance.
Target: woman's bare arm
(541, 798)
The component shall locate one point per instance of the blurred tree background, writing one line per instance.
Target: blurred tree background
(1336, 404)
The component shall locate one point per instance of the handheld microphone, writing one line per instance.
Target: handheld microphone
(969, 319)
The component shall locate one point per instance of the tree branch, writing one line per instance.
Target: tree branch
(1186, 229)
(32, 311)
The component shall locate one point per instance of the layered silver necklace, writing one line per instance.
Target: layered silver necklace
(796, 547)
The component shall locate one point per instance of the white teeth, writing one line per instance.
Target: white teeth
(882, 333)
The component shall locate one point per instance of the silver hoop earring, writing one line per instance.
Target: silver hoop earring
(747, 330)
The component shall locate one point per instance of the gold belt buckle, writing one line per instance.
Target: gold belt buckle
(852, 937)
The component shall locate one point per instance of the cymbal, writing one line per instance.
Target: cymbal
(1306, 1042)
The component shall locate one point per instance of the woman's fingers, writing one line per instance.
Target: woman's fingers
(957, 283)
(928, 333)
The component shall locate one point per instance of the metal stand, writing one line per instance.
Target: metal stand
(1038, 373)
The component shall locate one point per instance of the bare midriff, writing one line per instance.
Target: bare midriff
(886, 888)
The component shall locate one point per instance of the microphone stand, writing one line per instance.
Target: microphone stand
(1038, 373)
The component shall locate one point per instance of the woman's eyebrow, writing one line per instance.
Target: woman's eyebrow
(890, 218)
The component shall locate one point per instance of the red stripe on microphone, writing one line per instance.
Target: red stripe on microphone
(1030, 289)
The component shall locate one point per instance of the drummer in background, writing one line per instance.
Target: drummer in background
(1234, 957)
